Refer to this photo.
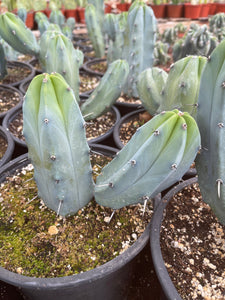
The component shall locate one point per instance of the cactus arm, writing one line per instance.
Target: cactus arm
(210, 163)
(140, 170)
(57, 144)
(108, 90)
(139, 42)
(94, 30)
(182, 85)
(3, 63)
(22, 14)
(17, 35)
(150, 86)
(58, 55)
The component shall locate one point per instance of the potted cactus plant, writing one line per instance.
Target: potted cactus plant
(210, 165)
(132, 176)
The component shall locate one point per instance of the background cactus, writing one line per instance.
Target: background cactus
(161, 56)
(17, 35)
(172, 139)
(55, 135)
(108, 90)
(57, 17)
(210, 118)
(198, 41)
(22, 14)
(95, 30)
(179, 89)
(58, 55)
(217, 25)
(10, 53)
(3, 63)
(139, 42)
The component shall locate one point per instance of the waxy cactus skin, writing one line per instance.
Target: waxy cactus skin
(17, 35)
(156, 157)
(57, 146)
(210, 162)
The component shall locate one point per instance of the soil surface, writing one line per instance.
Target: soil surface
(193, 247)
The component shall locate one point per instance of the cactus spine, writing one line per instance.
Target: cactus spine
(17, 35)
(108, 90)
(157, 155)
(210, 118)
(55, 135)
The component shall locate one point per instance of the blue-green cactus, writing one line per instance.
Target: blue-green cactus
(3, 63)
(180, 90)
(94, 30)
(17, 35)
(108, 90)
(157, 156)
(22, 14)
(57, 17)
(58, 55)
(210, 163)
(139, 42)
(55, 135)
(10, 53)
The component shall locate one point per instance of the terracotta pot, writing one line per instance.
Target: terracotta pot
(108, 8)
(192, 11)
(159, 10)
(204, 10)
(212, 8)
(47, 12)
(220, 7)
(71, 13)
(30, 19)
(81, 14)
(175, 11)
(122, 6)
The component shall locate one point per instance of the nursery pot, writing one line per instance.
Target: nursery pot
(30, 19)
(204, 10)
(175, 11)
(108, 281)
(20, 66)
(11, 92)
(126, 118)
(4, 134)
(192, 11)
(168, 290)
(220, 7)
(14, 114)
(81, 15)
(159, 10)
(87, 66)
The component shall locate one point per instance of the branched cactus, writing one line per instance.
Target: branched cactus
(179, 89)
(58, 55)
(217, 25)
(108, 90)
(210, 118)
(17, 35)
(198, 41)
(55, 135)
(157, 156)
(161, 56)
(94, 30)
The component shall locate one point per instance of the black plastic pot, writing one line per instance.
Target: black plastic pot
(18, 64)
(10, 117)
(12, 91)
(168, 290)
(110, 281)
(126, 118)
(86, 66)
(126, 108)
(10, 146)
(33, 62)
